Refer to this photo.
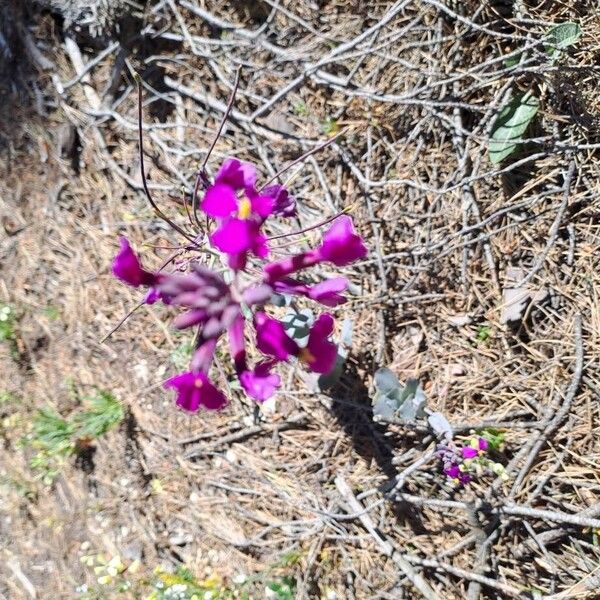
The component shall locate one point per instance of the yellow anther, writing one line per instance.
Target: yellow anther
(198, 382)
(245, 209)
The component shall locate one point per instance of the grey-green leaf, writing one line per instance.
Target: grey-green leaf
(412, 401)
(384, 407)
(386, 381)
(562, 35)
(298, 323)
(510, 125)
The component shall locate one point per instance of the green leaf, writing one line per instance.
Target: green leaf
(494, 437)
(510, 125)
(105, 412)
(561, 36)
(512, 61)
(51, 433)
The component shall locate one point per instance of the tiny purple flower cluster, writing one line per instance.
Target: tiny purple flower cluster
(456, 462)
(473, 459)
(216, 307)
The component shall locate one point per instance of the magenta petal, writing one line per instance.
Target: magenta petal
(453, 471)
(126, 267)
(195, 390)
(287, 285)
(276, 271)
(483, 444)
(261, 205)
(260, 384)
(234, 237)
(237, 174)
(258, 294)
(469, 452)
(271, 338)
(320, 353)
(237, 343)
(283, 203)
(219, 201)
(155, 294)
(260, 248)
(190, 318)
(238, 261)
(152, 296)
(203, 357)
(341, 245)
(323, 326)
(328, 292)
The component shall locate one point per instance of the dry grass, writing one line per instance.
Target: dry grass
(418, 97)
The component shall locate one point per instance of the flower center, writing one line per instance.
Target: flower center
(198, 382)
(245, 208)
(305, 356)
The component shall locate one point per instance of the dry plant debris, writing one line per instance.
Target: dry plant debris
(413, 89)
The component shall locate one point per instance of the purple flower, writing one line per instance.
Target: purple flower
(207, 296)
(127, 267)
(239, 236)
(271, 338)
(260, 383)
(327, 292)
(221, 200)
(195, 390)
(452, 471)
(341, 245)
(284, 204)
(236, 174)
(215, 307)
(319, 354)
(478, 447)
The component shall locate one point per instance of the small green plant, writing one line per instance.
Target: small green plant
(514, 118)
(483, 333)
(184, 586)
(300, 109)
(7, 323)
(8, 334)
(561, 36)
(283, 589)
(55, 438)
(105, 412)
(182, 354)
(330, 126)
(51, 312)
(494, 437)
(7, 397)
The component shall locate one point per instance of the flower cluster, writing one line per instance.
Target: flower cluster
(220, 305)
(461, 464)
